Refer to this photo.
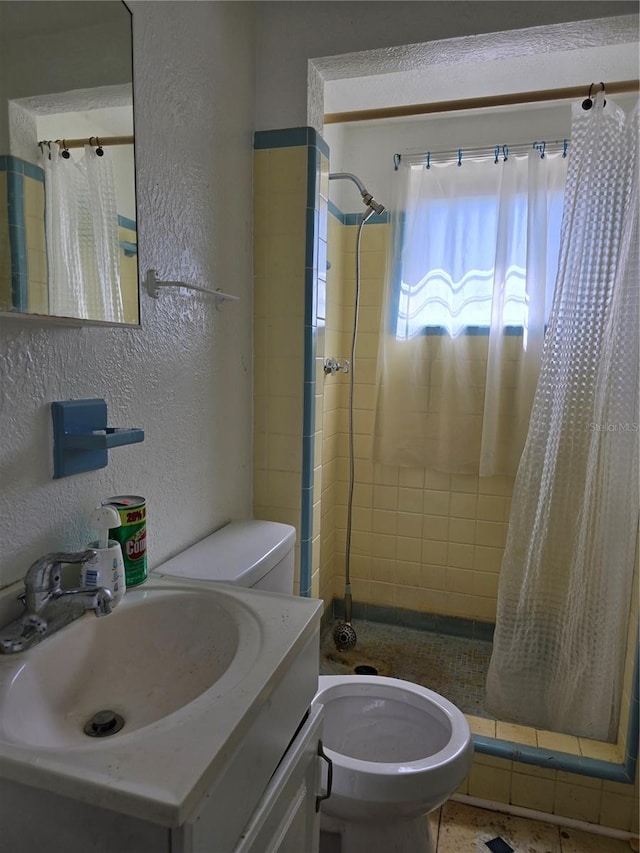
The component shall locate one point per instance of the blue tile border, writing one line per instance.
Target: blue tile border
(316, 147)
(11, 163)
(376, 219)
(624, 772)
(553, 760)
(125, 222)
(290, 137)
(354, 218)
(16, 171)
(456, 626)
(17, 237)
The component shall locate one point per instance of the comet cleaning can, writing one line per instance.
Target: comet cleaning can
(132, 536)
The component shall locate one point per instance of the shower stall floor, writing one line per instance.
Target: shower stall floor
(455, 667)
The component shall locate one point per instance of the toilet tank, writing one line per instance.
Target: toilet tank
(256, 554)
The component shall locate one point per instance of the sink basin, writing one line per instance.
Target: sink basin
(155, 654)
(210, 680)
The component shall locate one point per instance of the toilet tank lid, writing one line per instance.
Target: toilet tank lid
(241, 552)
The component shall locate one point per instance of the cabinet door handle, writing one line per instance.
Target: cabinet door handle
(326, 758)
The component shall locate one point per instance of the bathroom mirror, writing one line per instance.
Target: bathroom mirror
(68, 236)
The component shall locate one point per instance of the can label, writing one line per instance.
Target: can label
(132, 536)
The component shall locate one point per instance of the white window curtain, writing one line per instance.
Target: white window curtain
(82, 236)
(566, 576)
(468, 289)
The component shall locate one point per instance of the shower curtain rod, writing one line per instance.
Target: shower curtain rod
(568, 92)
(99, 140)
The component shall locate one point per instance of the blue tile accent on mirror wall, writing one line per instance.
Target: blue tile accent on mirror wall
(17, 235)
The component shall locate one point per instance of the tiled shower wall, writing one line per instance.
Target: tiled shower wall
(290, 222)
(421, 540)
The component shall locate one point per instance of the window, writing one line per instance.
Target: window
(467, 243)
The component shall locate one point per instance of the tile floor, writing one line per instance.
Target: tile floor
(452, 666)
(458, 828)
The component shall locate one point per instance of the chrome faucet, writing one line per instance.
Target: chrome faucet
(49, 607)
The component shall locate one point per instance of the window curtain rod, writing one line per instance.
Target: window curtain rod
(92, 140)
(567, 93)
(498, 153)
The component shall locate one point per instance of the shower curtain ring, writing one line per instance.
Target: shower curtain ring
(99, 149)
(65, 150)
(588, 101)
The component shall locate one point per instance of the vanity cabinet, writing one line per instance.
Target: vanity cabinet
(265, 797)
(285, 819)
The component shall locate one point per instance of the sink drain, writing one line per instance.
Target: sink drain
(103, 724)
(365, 669)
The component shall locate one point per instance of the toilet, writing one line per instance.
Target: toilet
(398, 750)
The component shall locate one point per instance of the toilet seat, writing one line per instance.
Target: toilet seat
(411, 734)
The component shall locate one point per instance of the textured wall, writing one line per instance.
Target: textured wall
(185, 376)
(326, 29)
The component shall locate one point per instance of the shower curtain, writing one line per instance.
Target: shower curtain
(82, 236)
(468, 289)
(566, 576)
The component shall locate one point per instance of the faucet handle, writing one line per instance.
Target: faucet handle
(43, 577)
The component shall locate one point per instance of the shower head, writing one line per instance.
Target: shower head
(344, 637)
(367, 198)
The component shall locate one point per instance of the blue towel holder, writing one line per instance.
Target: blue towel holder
(81, 437)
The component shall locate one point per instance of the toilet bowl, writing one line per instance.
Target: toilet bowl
(398, 751)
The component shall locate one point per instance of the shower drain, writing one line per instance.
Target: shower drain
(103, 724)
(365, 669)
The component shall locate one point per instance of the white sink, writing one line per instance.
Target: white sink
(211, 680)
(153, 655)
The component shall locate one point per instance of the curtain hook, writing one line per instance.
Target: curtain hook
(565, 146)
(99, 149)
(496, 153)
(428, 159)
(542, 148)
(396, 161)
(459, 156)
(505, 153)
(49, 147)
(65, 150)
